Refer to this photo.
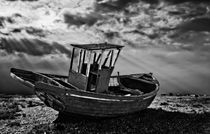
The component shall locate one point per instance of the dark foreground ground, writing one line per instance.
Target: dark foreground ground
(167, 114)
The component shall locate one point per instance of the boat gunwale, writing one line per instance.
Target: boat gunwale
(13, 75)
(42, 85)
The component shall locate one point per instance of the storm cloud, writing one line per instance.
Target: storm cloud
(80, 17)
(33, 47)
(113, 5)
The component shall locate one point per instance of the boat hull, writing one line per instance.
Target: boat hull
(91, 104)
(105, 108)
(74, 101)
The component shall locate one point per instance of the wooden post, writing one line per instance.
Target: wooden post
(100, 62)
(72, 57)
(117, 57)
(94, 59)
(79, 61)
(110, 64)
(83, 60)
(99, 56)
(107, 57)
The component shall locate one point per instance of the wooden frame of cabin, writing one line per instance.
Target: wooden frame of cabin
(94, 67)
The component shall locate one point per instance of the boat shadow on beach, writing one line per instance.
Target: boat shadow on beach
(146, 121)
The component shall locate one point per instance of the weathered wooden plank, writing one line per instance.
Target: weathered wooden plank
(103, 80)
(104, 110)
(78, 80)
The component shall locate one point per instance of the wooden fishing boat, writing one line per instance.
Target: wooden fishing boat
(89, 89)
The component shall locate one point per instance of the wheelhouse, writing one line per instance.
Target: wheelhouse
(91, 66)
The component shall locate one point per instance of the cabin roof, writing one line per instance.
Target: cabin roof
(100, 46)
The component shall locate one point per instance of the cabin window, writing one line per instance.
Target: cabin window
(109, 58)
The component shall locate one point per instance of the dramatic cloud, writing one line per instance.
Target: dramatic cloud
(35, 31)
(113, 5)
(78, 18)
(182, 1)
(198, 25)
(32, 47)
(8, 19)
(22, 0)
